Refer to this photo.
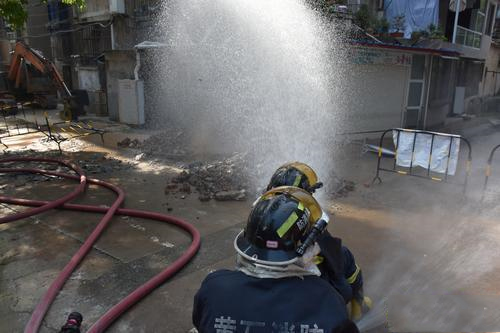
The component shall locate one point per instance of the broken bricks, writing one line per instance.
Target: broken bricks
(222, 180)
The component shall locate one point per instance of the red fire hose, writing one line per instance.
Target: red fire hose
(40, 206)
(78, 190)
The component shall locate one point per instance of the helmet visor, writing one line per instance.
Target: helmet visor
(306, 170)
(302, 196)
(261, 255)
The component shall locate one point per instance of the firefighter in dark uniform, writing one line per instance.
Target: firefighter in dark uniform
(276, 287)
(335, 261)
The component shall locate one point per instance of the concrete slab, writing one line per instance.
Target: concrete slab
(414, 239)
(174, 302)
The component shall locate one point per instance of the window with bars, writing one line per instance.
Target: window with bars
(145, 9)
(91, 41)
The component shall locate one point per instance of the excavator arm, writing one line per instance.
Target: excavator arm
(45, 66)
(22, 52)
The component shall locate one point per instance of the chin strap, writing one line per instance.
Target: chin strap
(302, 267)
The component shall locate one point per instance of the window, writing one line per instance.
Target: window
(489, 21)
(471, 22)
(477, 20)
(482, 5)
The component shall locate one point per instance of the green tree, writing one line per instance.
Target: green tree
(14, 11)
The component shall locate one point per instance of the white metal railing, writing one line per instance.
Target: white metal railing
(468, 37)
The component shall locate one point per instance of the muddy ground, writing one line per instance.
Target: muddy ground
(429, 254)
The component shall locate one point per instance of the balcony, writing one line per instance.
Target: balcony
(468, 37)
(99, 10)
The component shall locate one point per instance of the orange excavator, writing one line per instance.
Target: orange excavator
(32, 77)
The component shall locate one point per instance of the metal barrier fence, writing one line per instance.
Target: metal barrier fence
(429, 174)
(15, 123)
(67, 130)
(488, 169)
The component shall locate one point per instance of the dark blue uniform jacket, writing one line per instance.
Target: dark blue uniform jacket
(231, 301)
(339, 267)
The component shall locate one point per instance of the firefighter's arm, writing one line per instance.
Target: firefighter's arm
(353, 273)
(359, 304)
(198, 308)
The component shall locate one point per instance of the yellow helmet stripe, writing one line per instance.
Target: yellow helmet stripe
(302, 196)
(296, 182)
(306, 170)
(287, 225)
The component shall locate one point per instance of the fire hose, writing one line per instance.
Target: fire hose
(63, 203)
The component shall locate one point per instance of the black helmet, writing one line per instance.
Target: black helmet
(279, 222)
(295, 174)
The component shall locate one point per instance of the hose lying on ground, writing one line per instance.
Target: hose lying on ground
(41, 206)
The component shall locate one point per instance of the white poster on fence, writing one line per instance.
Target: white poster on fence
(442, 147)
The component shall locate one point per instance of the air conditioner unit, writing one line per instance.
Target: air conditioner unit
(117, 6)
(131, 101)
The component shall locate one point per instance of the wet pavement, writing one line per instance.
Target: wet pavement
(429, 255)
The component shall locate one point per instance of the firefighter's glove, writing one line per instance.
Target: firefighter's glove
(358, 308)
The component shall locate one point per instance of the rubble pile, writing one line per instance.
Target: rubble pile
(169, 143)
(223, 180)
(128, 143)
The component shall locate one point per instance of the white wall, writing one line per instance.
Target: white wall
(378, 97)
(88, 78)
(491, 64)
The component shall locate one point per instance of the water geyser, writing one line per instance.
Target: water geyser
(260, 77)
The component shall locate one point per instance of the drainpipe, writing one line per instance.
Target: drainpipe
(457, 8)
(427, 93)
(137, 63)
(112, 34)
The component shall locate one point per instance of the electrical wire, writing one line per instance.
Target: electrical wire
(110, 22)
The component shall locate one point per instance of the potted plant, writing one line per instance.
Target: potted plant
(436, 33)
(417, 35)
(399, 25)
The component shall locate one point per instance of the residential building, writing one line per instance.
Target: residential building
(36, 33)
(421, 62)
(93, 47)
(447, 51)
(491, 79)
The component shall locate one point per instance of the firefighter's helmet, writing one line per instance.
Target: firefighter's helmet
(295, 174)
(279, 222)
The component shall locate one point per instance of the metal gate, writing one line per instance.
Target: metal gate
(488, 170)
(428, 172)
(16, 123)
